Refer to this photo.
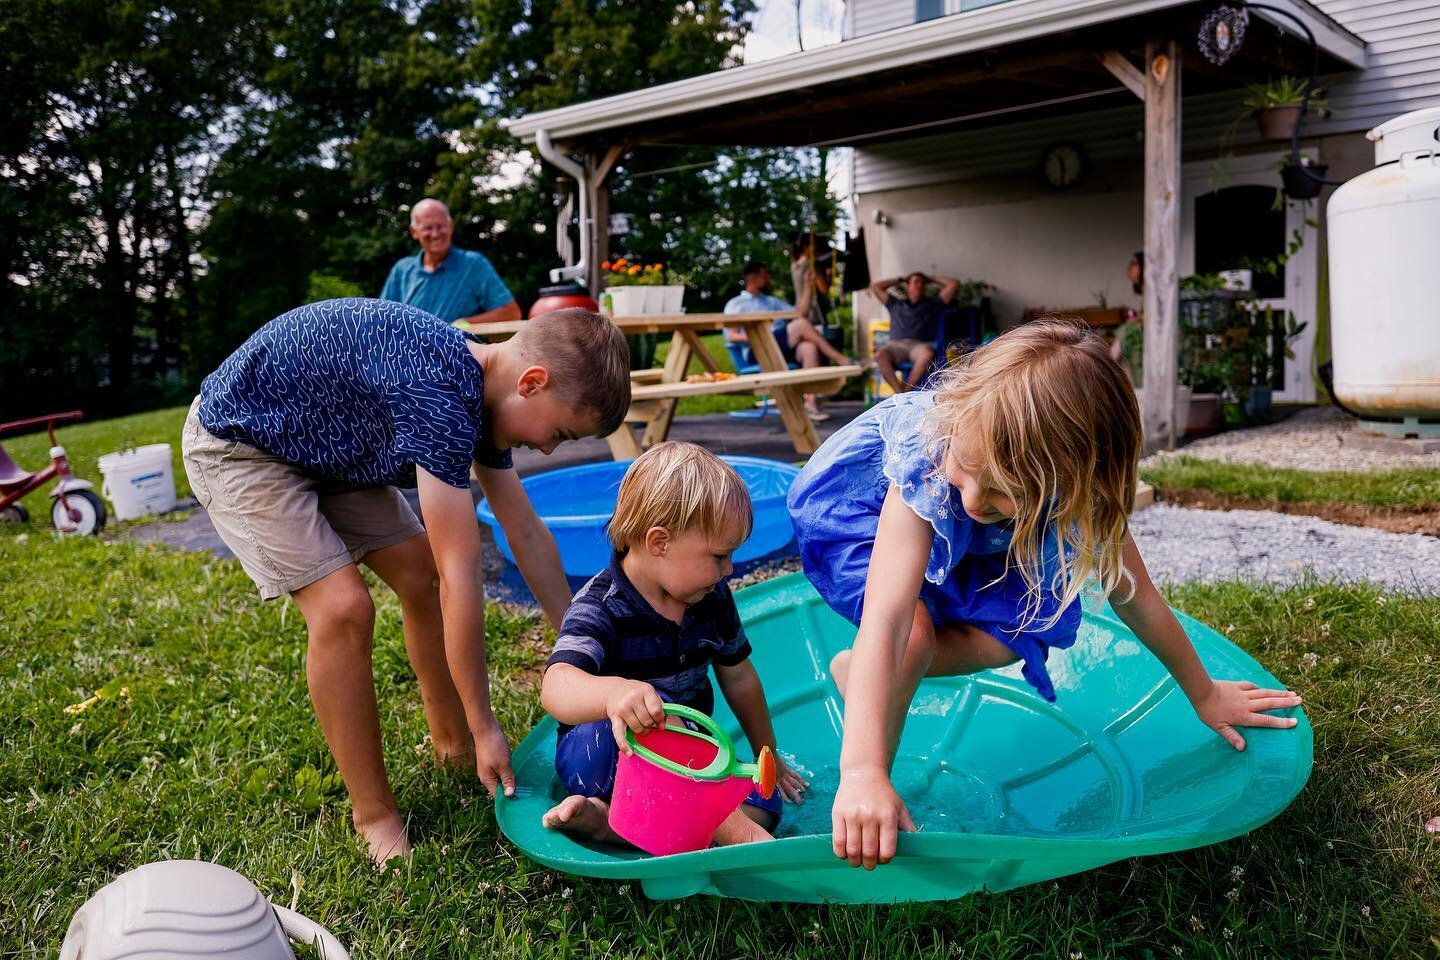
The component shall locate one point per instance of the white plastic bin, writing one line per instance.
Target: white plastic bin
(139, 481)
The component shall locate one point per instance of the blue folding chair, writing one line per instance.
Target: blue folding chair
(952, 322)
(744, 360)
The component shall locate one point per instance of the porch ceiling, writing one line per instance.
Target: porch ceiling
(971, 68)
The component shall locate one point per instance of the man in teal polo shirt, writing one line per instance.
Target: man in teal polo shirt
(452, 283)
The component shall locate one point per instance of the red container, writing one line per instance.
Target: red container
(560, 296)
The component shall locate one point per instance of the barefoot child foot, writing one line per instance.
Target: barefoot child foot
(587, 817)
(739, 828)
(385, 840)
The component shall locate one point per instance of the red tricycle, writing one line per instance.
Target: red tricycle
(77, 509)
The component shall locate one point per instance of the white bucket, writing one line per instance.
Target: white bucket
(139, 481)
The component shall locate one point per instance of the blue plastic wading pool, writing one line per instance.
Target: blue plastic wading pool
(576, 503)
(1006, 788)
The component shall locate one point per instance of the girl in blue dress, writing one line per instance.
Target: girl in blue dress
(959, 528)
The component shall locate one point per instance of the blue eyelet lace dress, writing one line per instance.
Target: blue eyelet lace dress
(835, 507)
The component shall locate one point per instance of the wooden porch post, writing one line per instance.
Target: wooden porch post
(597, 175)
(1162, 422)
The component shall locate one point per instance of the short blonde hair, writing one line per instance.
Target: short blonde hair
(588, 360)
(1059, 427)
(681, 487)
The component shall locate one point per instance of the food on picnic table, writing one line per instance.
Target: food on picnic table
(716, 377)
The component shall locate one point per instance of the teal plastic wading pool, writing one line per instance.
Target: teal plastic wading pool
(1005, 788)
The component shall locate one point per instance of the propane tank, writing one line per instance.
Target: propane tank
(1385, 275)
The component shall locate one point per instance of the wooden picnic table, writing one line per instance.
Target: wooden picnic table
(654, 393)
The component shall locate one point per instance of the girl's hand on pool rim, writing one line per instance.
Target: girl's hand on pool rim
(867, 817)
(635, 706)
(791, 785)
(1230, 704)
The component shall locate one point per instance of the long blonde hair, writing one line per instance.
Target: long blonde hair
(1059, 428)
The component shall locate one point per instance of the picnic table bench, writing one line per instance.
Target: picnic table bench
(654, 393)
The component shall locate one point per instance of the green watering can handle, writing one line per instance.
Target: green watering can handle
(723, 766)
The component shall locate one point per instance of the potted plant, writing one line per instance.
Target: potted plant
(636, 288)
(1300, 184)
(1276, 106)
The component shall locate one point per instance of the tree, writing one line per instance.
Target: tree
(115, 108)
(704, 215)
(350, 118)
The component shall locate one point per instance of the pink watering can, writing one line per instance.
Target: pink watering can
(677, 785)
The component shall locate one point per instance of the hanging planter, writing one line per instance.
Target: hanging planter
(1277, 123)
(1301, 186)
(1276, 106)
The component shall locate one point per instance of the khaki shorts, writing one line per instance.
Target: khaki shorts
(288, 528)
(902, 350)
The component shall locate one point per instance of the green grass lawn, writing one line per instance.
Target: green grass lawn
(204, 746)
(85, 441)
(1385, 488)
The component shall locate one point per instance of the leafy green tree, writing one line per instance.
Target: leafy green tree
(351, 116)
(114, 110)
(703, 216)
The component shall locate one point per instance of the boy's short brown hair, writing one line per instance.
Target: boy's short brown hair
(681, 487)
(588, 360)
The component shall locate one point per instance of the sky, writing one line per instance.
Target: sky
(773, 32)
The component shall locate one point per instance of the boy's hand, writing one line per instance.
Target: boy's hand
(1231, 704)
(492, 758)
(634, 706)
(866, 815)
(792, 786)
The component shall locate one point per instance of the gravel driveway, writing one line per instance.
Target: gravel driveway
(1181, 544)
(1178, 544)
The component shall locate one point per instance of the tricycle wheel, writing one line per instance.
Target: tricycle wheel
(90, 507)
(14, 514)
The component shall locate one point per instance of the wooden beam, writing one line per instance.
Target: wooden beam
(1123, 70)
(598, 166)
(1162, 243)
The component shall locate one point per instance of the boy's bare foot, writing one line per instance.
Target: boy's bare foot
(458, 756)
(587, 817)
(384, 840)
(840, 670)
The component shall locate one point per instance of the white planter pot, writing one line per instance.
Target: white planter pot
(627, 301)
(1182, 402)
(637, 301)
(673, 297)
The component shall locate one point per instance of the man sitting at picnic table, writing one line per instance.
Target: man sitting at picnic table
(799, 341)
(914, 326)
(452, 283)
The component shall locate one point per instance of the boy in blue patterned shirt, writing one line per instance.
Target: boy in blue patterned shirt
(647, 629)
(295, 448)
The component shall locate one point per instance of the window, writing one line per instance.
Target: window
(1238, 227)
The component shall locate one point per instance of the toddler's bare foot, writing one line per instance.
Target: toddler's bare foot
(587, 817)
(384, 840)
(840, 670)
(739, 828)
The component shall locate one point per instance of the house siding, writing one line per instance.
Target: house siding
(876, 16)
(1403, 74)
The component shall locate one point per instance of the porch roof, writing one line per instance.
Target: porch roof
(974, 66)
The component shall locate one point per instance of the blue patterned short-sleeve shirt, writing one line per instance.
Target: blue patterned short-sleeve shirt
(357, 390)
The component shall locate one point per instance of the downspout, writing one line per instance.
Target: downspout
(547, 150)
